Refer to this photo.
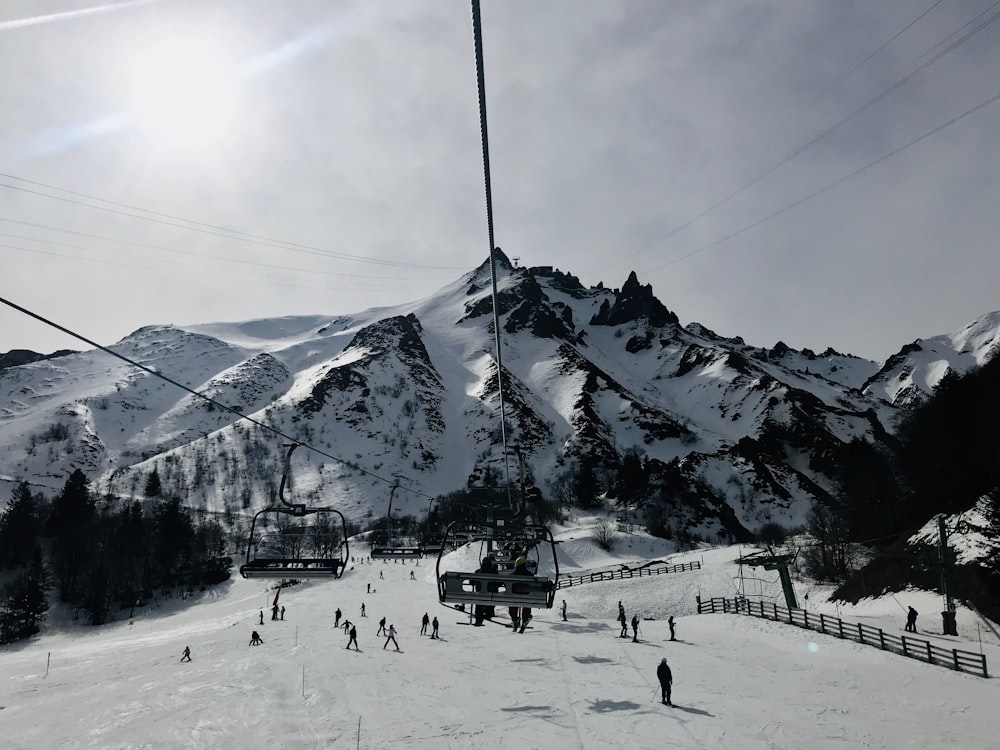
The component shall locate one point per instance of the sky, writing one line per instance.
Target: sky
(738, 681)
(823, 174)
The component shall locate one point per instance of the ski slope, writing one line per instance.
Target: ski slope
(739, 682)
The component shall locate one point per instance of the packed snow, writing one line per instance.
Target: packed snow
(739, 682)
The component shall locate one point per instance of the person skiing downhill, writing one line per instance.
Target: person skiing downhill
(381, 627)
(255, 639)
(666, 678)
(187, 654)
(392, 637)
(354, 639)
(434, 626)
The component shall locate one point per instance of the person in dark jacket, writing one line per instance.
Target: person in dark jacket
(623, 620)
(381, 627)
(521, 569)
(670, 622)
(666, 678)
(482, 611)
(635, 628)
(336, 617)
(424, 622)
(434, 626)
(911, 620)
(187, 654)
(354, 639)
(255, 639)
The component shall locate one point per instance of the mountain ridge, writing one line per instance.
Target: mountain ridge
(589, 374)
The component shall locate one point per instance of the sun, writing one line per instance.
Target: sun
(183, 93)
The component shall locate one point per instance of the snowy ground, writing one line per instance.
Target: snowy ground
(740, 682)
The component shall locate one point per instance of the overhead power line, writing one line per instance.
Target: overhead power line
(178, 222)
(889, 41)
(820, 136)
(828, 186)
(202, 396)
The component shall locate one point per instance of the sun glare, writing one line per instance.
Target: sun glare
(183, 94)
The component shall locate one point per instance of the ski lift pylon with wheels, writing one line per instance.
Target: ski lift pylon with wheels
(284, 551)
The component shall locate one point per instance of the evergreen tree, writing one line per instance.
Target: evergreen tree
(153, 486)
(20, 527)
(69, 527)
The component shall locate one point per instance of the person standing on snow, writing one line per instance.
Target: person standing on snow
(670, 622)
(521, 569)
(363, 610)
(635, 628)
(261, 618)
(434, 631)
(666, 678)
(255, 639)
(392, 637)
(336, 618)
(354, 639)
(424, 622)
(911, 620)
(623, 620)
(187, 654)
(381, 627)
(564, 610)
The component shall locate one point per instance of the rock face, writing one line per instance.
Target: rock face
(726, 435)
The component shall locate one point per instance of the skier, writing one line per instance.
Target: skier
(521, 569)
(670, 622)
(282, 611)
(363, 609)
(274, 612)
(336, 618)
(635, 628)
(255, 639)
(623, 620)
(666, 678)
(434, 625)
(381, 627)
(380, 575)
(911, 620)
(187, 654)
(392, 637)
(564, 610)
(261, 618)
(483, 611)
(354, 639)
(412, 577)
(424, 622)
(347, 625)
(369, 588)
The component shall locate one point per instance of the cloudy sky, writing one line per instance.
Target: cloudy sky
(808, 171)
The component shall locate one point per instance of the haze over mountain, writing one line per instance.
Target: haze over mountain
(591, 374)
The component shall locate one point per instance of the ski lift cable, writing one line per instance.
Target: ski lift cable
(209, 399)
(477, 33)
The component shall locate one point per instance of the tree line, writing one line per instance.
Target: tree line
(96, 554)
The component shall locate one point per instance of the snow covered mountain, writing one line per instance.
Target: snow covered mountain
(589, 374)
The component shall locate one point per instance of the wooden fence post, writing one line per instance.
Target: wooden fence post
(840, 626)
(930, 655)
(903, 639)
(861, 633)
(881, 638)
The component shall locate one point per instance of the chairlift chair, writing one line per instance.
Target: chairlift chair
(498, 589)
(279, 554)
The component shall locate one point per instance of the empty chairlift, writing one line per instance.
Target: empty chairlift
(312, 548)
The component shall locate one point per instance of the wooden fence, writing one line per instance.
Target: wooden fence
(617, 575)
(915, 648)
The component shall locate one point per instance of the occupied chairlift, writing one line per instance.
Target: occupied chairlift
(395, 550)
(326, 542)
(502, 589)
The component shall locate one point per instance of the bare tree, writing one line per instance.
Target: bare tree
(605, 535)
